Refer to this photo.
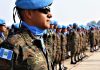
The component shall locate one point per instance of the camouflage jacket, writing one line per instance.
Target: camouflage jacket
(27, 50)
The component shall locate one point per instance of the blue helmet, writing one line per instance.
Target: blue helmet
(2, 22)
(53, 22)
(33, 4)
(16, 25)
(63, 26)
(70, 25)
(59, 26)
(74, 24)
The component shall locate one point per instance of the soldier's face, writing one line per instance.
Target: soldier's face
(3, 28)
(64, 30)
(40, 19)
(55, 26)
(59, 30)
(51, 26)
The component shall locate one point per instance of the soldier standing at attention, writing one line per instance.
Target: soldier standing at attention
(3, 28)
(92, 39)
(54, 45)
(28, 46)
(58, 49)
(63, 47)
(73, 39)
(48, 40)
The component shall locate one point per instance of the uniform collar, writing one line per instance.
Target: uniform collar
(1, 33)
(35, 30)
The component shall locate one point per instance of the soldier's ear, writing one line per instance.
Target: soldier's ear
(28, 14)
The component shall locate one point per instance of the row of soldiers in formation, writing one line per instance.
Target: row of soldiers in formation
(62, 42)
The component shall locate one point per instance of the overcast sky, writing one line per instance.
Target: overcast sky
(64, 11)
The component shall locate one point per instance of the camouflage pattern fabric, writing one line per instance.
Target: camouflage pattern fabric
(28, 53)
(63, 46)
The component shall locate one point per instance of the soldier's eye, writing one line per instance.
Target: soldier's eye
(44, 10)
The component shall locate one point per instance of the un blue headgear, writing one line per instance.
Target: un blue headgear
(70, 25)
(74, 24)
(53, 22)
(63, 26)
(2, 22)
(59, 26)
(16, 25)
(33, 4)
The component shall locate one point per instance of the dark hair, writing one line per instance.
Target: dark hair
(17, 11)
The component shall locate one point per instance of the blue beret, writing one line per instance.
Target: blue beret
(70, 25)
(63, 26)
(74, 24)
(59, 26)
(2, 22)
(53, 22)
(78, 28)
(32, 4)
(16, 25)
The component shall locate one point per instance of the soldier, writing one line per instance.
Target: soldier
(80, 49)
(14, 28)
(73, 43)
(68, 41)
(28, 46)
(54, 45)
(48, 40)
(97, 38)
(3, 29)
(91, 39)
(58, 49)
(63, 47)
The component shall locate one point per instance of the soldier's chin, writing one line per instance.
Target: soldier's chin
(47, 25)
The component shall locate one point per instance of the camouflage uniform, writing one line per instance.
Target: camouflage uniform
(1, 40)
(3, 62)
(54, 50)
(54, 46)
(80, 45)
(84, 41)
(3, 37)
(48, 41)
(28, 51)
(58, 51)
(63, 46)
(97, 38)
(73, 39)
(92, 39)
(67, 48)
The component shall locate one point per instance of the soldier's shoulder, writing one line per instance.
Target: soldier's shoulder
(1, 40)
(15, 39)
